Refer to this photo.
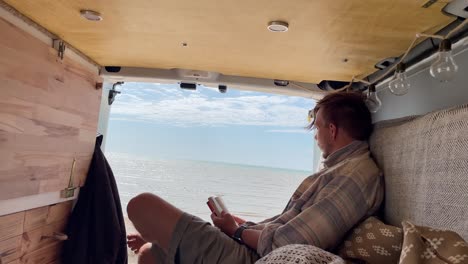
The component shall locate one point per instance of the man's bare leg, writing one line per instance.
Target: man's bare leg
(154, 218)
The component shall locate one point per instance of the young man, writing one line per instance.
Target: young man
(324, 207)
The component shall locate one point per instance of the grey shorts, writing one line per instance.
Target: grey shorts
(197, 241)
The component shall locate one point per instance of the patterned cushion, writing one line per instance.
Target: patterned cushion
(426, 245)
(300, 254)
(373, 242)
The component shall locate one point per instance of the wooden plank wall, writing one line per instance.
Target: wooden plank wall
(27, 237)
(49, 112)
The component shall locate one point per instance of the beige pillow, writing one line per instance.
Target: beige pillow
(372, 242)
(432, 246)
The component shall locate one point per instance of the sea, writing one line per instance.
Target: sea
(253, 193)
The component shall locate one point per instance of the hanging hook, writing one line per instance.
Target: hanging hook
(57, 236)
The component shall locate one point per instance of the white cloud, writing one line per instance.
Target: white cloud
(170, 105)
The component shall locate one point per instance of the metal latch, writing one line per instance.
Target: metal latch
(70, 190)
(60, 46)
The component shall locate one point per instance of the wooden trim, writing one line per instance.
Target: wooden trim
(33, 201)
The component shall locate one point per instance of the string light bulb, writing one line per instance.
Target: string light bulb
(399, 85)
(373, 102)
(444, 67)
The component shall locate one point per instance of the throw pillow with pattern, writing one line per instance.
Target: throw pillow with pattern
(432, 246)
(372, 241)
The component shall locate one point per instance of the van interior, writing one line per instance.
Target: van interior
(62, 63)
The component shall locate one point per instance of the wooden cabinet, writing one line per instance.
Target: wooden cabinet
(33, 236)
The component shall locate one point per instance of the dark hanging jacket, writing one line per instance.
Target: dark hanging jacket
(96, 228)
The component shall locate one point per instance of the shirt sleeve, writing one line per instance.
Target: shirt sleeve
(269, 219)
(259, 225)
(324, 222)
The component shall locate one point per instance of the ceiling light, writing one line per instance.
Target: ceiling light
(400, 84)
(278, 26)
(373, 101)
(444, 68)
(91, 15)
(281, 83)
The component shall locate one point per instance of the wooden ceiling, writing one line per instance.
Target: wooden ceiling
(231, 37)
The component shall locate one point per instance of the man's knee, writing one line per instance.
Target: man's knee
(140, 203)
(154, 218)
(145, 256)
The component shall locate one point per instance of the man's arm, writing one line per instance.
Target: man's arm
(343, 203)
(251, 237)
(229, 225)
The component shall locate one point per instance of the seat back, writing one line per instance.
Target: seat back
(425, 163)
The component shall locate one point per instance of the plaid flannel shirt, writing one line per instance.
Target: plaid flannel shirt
(327, 204)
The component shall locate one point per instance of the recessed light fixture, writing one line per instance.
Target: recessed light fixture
(91, 15)
(281, 83)
(278, 26)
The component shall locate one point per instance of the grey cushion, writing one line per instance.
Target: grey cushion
(425, 163)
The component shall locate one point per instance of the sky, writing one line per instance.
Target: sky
(241, 127)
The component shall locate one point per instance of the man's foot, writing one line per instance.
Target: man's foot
(135, 241)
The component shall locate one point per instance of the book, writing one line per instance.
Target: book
(216, 205)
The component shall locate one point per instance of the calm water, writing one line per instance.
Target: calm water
(253, 193)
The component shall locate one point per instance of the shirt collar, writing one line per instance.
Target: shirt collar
(344, 152)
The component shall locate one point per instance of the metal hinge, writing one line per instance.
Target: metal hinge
(429, 3)
(60, 46)
(113, 93)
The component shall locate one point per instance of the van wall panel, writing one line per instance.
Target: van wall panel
(49, 110)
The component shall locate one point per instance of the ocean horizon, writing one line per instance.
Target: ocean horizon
(252, 192)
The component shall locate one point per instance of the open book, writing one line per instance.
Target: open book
(216, 205)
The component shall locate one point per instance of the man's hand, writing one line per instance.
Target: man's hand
(226, 223)
(135, 241)
(239, 220)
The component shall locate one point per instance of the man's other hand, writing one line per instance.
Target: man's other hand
(239, 220)
(226, 223)
(135, 241)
